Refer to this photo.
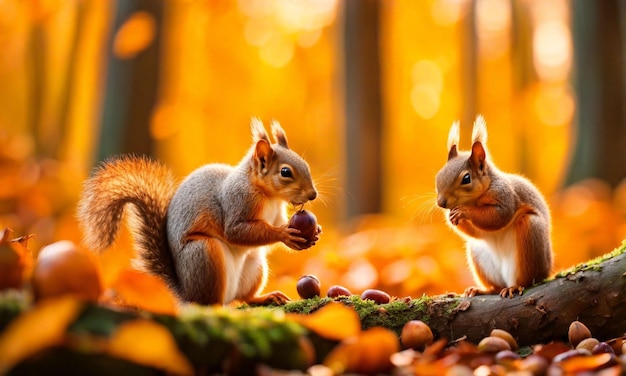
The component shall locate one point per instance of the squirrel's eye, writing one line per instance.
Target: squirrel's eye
(466, 179)
(285, 172)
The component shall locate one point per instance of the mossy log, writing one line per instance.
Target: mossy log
(593, 293)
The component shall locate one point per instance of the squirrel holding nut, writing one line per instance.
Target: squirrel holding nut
(206, 237)
(503, 218)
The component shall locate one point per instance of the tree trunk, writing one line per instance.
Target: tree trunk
(363, 107)
(599, 82)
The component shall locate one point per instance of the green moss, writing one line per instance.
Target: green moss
(392, 315)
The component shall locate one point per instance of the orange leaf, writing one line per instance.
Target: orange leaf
(148, 343)
(369, 353)
(16, 261)
(144, 291)
(333, 321)
(37, 329)
(581, 364)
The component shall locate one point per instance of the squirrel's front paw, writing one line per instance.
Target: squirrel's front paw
(456, 215)
(293, 239)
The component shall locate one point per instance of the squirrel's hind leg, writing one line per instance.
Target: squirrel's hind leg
(254, 278)
(201, 271)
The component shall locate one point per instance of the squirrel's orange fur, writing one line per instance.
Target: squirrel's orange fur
(503, 218)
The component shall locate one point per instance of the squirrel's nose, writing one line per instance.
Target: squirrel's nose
(442, 202)
(312, 195)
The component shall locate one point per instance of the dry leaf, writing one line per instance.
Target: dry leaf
(148, 343)
(370, 352)
(582, 364)
(333, 321)
(16, 261)
(37, 329)
(144, 291)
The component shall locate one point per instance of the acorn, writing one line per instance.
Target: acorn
(493, 345)
(577, 332)
(416, 335)
(335, 291)
(308, 286)
(587, 344)
(62, 268)
(306, 222)
(505, 336)
(378, 296)
(506, 356)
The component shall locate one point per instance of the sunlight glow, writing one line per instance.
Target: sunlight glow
(276, 27)
(427, 87)
(448, 12)
(493, 25)
(552, 50)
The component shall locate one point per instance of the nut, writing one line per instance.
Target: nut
(308, 286)
(505, 336)
(416, 335)
(493, 345)
(587, 344)
(336, 290)
(306, 222)
(62, 268)
(577, 332)
(378, 296)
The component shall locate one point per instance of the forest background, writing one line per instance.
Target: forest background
(366, 91)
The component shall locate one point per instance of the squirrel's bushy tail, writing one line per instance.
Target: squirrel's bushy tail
(145, 184)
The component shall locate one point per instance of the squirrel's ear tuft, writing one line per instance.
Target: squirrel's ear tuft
(279, 134)
(479, 132)
(258, 130)
(453, 139)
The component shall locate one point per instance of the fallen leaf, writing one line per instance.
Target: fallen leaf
(370, 352)
(334, 321)
(16, 261)
(582, 364)
(144, 291)
(37, 329)
(148, 343)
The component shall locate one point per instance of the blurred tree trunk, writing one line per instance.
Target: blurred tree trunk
(131, 87)
(363, 107)
(469, 70)
(598, 34)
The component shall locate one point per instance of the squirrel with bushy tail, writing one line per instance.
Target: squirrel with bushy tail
(207, 237)
(503, 218)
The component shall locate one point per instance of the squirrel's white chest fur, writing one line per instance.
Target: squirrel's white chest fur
(274, 212)
(244, 263)
(496, 253)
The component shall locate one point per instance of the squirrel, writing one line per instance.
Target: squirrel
(503, 217)
(207, 237)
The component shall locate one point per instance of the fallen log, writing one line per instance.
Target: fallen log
(593, 293)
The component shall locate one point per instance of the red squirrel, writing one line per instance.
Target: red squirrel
(503, 218)
(207, 236)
